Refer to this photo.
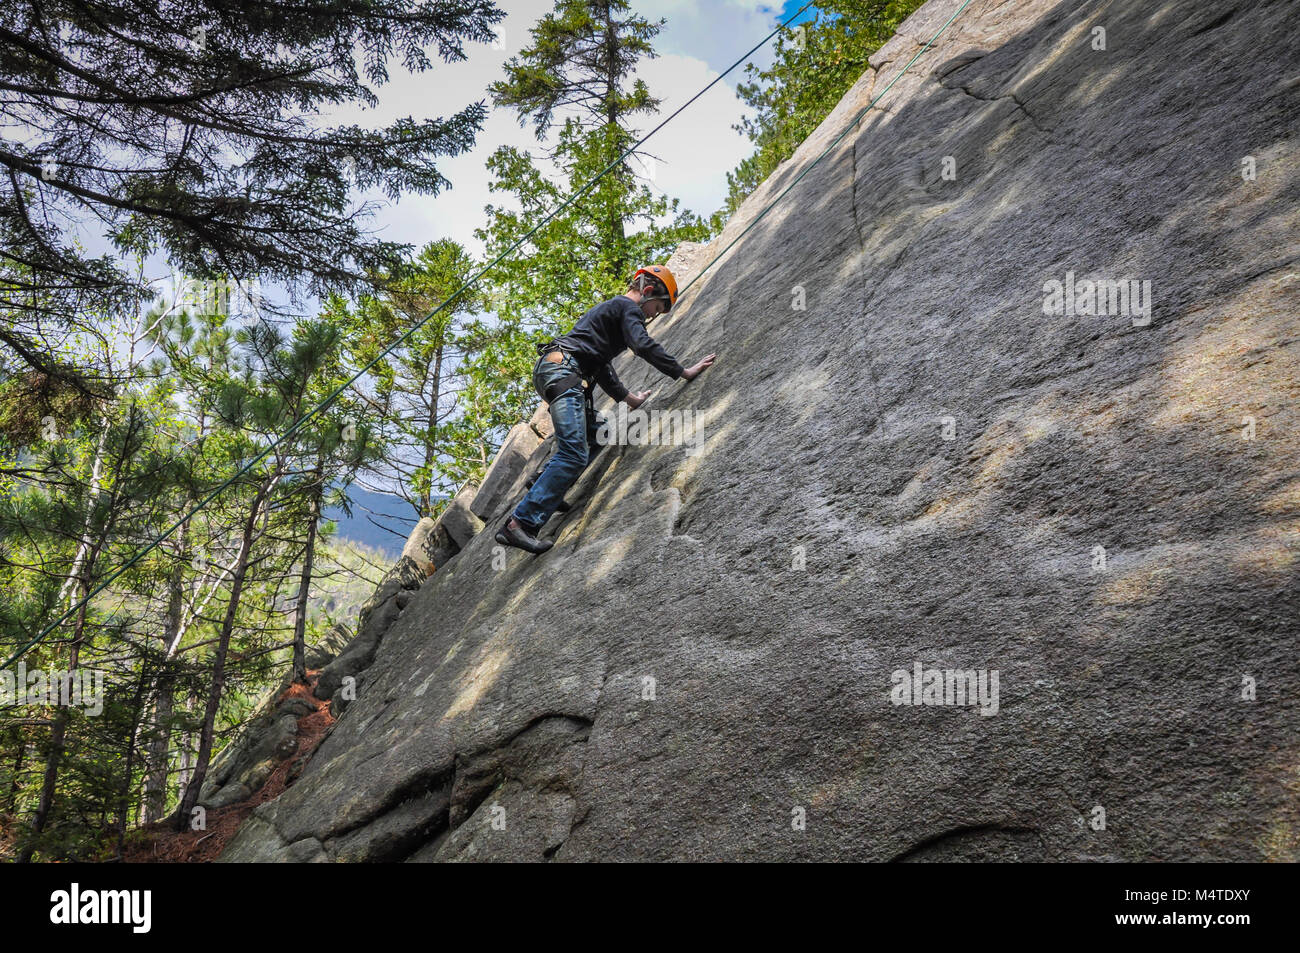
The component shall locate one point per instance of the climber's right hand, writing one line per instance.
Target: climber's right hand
(636, 400)
(696, 370)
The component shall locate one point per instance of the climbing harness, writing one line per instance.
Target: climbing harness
(576, 379)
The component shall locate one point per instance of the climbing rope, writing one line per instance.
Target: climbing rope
(329, 401)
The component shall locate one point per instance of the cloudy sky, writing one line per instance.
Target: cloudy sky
(693, 153)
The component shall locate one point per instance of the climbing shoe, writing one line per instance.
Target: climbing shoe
(514, 534)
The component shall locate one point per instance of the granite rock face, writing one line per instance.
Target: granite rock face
(503, 483)
(911, 460)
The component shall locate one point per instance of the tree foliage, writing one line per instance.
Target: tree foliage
(192, 128)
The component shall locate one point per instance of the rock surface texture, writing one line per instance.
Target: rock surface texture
(919, 468)
(270, 735)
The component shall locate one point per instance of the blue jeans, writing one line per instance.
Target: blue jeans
(574, 434)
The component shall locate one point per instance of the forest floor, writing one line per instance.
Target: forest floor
(159, 843)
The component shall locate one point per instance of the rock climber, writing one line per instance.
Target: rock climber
(566, 370)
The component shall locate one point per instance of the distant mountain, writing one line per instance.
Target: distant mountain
(379, 520)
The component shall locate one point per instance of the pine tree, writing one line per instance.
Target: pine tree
(180, 125)
(414, 391)
(270, 392)
(575, 84)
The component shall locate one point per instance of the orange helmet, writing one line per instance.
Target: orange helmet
(663, 275)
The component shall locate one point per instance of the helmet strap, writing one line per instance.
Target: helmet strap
(648, 283)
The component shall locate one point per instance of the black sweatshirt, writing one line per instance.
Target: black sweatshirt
(605, 332)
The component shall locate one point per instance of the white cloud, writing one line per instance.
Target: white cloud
(716, 31)
(694, 152)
